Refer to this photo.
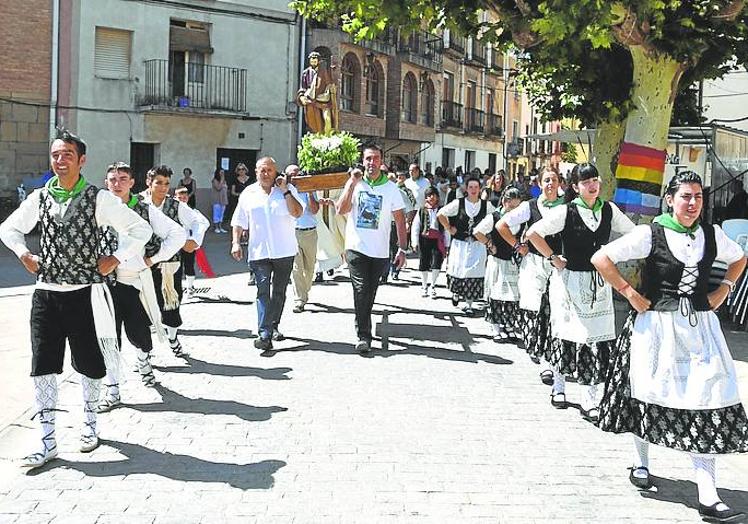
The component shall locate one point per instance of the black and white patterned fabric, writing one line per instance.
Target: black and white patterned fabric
(505, 315)
(707, 431)
(70, 244)
(586, 363)
(467, 288)
(170, 208)
(536, 330)
(154, 244)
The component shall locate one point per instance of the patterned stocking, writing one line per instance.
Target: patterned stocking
(559, 383)
(113, 365)
(641, 453)
(704, 468)
(91, 390)
(45, 400)
(589, 397)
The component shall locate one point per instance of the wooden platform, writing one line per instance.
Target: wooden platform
(306, 183)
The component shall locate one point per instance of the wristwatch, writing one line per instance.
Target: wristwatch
(401, 250)
(550, 257)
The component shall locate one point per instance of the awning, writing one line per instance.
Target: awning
(189, 39)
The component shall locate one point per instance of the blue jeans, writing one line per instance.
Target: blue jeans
(275, 272)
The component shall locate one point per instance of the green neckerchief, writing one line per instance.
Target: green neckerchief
(132, 202)
(553, 203)
(383, 179)
(595, 208)
(62, 195)
(668, 221)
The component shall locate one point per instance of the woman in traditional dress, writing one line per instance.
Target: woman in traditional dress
(466, 262)
(427, 236)
(535, 271)
(673, 381)
(582, 314)
(502, 271)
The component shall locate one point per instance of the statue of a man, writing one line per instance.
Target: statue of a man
(318, 96)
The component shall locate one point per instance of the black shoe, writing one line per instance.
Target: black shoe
(278, 336)
(455, 300)
(298, 308)
(558, 402)
(712, 514)
(546, 377)
(263, 344)
(318, 277)
(591, 415)
(534, 359)
(643, 483)
(330, 272)
(363, 346)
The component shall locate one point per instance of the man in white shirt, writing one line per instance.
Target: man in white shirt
(306, 237)
(418, 184)
(268, 210)
(70, 301)
(134, 286)
(371, 200)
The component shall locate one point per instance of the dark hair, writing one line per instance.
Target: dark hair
(580, 172)
(431, 190)
(373, 146)
(119, 166)
(186, 170)
(69, 138)
(684, 177)
(162, 170)
(510, 193)
(472, 179)
(217, 172)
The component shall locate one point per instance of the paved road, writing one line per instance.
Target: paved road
(439, 425)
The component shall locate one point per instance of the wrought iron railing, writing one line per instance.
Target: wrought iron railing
(494, 125)
(423, 45)
(451, 114)
(194, 85)
(475, 120)
(456, 42)
(478, 52)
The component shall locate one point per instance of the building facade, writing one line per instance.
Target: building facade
(181, 83)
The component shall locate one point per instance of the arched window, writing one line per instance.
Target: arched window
(373, 86)
(410, 95)
(427, 103)
(348, 77)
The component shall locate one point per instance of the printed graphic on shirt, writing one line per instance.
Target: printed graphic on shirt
(369, 210)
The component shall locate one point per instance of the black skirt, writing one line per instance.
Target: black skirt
(505, 315)
(707, 431)
(466, 288)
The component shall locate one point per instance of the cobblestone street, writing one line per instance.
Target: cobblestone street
(439, 424)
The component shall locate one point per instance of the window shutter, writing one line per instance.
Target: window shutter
(112, 53)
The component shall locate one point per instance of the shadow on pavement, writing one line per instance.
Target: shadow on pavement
(174, 402)
(237, 333)
(195, 365)
(685, 492)
(145, 461)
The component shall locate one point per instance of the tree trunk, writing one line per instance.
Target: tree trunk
(641, 159)
(608, 138)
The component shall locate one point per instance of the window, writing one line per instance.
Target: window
(372, 89)
(449, 87)
(410, 90)
(515, 130)
(448, 157)
(427, 104)
(195, 67)
(469, 160)
(112, 53)
(349, 75)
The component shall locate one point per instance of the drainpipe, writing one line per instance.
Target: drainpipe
(505, 74)
(302, 60)
(55, 65)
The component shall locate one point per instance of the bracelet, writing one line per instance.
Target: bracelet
(286, 193)
(401, 250)
(623, 288)
(550, 257)
(729, 284)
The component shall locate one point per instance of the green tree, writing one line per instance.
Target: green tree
(668, 42)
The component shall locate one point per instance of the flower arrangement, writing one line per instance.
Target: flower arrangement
(328, 152)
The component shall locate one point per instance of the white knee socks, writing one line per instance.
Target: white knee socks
(171, 332)
(424, 279)
(589, 397)
(559, 383)
(45, 400)
(641, 453)
(704, 468)
(113, 365)
(434, 277)
(190, 281)
(91, 389)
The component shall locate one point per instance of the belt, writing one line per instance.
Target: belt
(306, 228)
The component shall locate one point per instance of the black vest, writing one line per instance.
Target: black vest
(554, 241)
(70, 244)
(464, 223)
(503, 250)
(426, 223)
(154, 244)
(663, 272)
(170, 208)
(579, 243)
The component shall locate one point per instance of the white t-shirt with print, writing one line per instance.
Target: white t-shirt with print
(369, 222)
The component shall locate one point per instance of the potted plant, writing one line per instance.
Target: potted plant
(324, 159)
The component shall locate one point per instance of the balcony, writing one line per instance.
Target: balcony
(475, 120)
(515, 148)
(451, 114)
(422, 48)
(495, 61)
(456, 44)
(194, 86)
(478, 52)
(383, 43)
(494, 125)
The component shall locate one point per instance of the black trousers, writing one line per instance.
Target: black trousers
(188, 263)
(57, 316)
(365, 274)
(129, 310)
(170, 318)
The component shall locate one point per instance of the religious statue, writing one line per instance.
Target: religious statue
(318, 96)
